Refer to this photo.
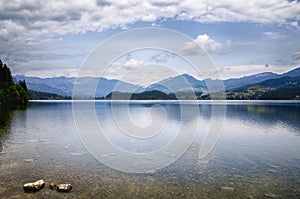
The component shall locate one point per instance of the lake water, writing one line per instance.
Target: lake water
(257, 154)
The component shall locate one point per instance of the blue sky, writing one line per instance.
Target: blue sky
(51, 38)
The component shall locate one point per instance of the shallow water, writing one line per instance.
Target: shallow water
(257, 154)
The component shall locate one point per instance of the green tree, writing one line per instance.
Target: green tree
(23, 84)
(12, 95)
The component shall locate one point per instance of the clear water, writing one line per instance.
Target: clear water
(258, 154)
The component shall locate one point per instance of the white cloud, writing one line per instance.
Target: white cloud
(256, 11)
(207, 43)
(204, 41)
(24, 23)
(162, 57)
(142, 74)
(51, 17)
(296, 56)
(132, 63)
(273, 35)
(294, 24)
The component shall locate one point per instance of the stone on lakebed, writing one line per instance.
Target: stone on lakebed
(229, 189)
(53, 185)
(64, 187)
(34, 186)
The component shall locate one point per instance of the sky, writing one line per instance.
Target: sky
(242, 37)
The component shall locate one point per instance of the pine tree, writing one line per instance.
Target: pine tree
(12, 95)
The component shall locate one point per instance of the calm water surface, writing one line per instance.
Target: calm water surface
(258, 154)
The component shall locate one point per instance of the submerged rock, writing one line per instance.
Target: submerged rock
(64, 187)
(274, 166)
(271, 195)
(34, 186)
(229, 189)
(272, 171)
(150, 172)
(53, 185)
(28, 160)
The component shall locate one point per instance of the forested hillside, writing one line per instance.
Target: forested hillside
(12, 95)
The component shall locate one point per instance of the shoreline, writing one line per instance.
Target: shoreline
(175, 101)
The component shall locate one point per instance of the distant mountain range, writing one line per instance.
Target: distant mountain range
(283, 88)
(186, 82)
(63, 86)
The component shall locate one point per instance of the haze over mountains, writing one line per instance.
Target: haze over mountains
(64, 85)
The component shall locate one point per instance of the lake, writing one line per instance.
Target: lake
(256, 155)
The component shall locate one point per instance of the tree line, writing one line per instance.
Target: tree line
(13, 95)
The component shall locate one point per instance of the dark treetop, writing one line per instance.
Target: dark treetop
(12, 95)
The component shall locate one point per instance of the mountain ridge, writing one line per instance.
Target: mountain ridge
(182, 83)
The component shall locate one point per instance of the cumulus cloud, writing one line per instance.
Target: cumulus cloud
(24, 23)
(52, 17)
(204, 41)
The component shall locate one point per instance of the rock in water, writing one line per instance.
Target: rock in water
(271, 195)
(53, 185)
(64, 187)
(230, 189)
(34, 186)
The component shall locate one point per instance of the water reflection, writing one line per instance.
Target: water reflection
(257, 154)
(5, 121)
(267, 115)
(152, 134)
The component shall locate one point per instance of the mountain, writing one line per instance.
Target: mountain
(105, 86)
(63, 86)
(285, 87)
(283, 83)
(292, 73)
(185, 82)
(174, 84)
(182, 84)
(231, 84)
(252, 79)
(282, 88)
(57, 85)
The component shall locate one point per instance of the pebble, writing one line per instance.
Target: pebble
(53, 185)
(32, 140)
(231, 189)
(75, 154)
(271, 195)
(34, 186)
(272, 171)
(150, 171)
(64, 187)
(275, 166)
